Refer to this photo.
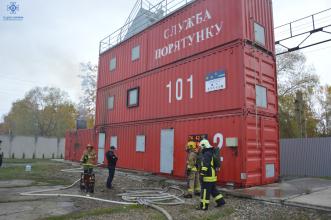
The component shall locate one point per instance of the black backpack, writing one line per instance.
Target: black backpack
(216, 157)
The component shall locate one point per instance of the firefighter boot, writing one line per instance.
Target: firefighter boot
(197, 193)
(220, 202)
(202, 207)
(188, 196)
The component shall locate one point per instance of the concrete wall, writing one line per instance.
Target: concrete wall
(305, 157)
(40, 146)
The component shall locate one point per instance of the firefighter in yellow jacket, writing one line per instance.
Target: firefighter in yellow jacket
(88, 158)
(192, 170)
(208, 177)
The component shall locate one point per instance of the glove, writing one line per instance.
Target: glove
(188, 171)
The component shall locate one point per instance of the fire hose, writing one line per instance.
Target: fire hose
(151, 197)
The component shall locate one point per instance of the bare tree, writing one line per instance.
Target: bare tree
(86, 106)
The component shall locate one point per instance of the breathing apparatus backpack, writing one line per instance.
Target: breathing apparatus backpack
(216, 157)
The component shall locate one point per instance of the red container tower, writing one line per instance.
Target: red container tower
(208, 68)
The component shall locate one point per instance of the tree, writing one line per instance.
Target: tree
(43, 112)
(86, 106)
(324, 100)
(297, 85)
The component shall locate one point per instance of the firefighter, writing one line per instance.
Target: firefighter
(112, 159)
(89, 159)
(192, 170)
(208, 177)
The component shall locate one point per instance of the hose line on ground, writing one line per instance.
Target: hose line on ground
(151, 197)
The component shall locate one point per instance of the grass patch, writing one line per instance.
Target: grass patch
(42, 171)
(8, 160)
(222, 213)
(326, 177)
(94, 212)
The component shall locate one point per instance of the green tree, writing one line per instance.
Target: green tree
(324, 99)
(43, 112)
(297, 85)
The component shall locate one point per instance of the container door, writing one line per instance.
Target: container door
(167, 151)
(101, 147)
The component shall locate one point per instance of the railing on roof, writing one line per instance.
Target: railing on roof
(143, 15)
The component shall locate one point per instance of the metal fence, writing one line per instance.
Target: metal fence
(305, 157)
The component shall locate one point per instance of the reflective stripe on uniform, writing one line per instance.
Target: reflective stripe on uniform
(194, 169)
(220, 196)
(204, 168)
(204, 201)
(209, 178)
(212, 168)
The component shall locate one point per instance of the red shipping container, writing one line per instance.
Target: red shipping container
(180, 89)
(198, 27)
(76, 142)
(249, 146)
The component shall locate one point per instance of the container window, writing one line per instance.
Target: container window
(261, 96)
(110, 102)
(140, 143)
(113, 141)
(136, 53)
(133, 97)
(112, 64)
(259, 34)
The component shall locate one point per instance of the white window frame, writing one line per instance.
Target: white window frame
(110, 107)
(261, 96)
(129, 104)
(259, 34)
(135, 53)
(140, 143)
(113, 141)
(112, 64)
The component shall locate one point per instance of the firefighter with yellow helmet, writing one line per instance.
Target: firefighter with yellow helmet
(208, 177)
(192, 170)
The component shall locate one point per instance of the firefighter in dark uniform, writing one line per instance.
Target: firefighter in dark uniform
(112, 159)
(208, 177)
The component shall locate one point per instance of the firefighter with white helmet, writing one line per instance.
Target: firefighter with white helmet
(192, 170)
(208, 177)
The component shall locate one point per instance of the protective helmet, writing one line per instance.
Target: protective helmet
(89, 146)
(191, 145)
(205, 144)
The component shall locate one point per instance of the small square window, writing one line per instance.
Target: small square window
(140, 143)
(133, 97)
(113, 141)
(261, 96)
(110, 102)
(135, 53)
(259, 34)
(112, 64)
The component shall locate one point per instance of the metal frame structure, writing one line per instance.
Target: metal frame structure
(304, 28)
(141, 10)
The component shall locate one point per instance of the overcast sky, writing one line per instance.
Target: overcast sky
(47, 45)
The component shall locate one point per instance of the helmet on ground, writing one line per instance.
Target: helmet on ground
(205, 144)
(191, 145)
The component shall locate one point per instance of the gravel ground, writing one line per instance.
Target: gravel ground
(235, 208)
